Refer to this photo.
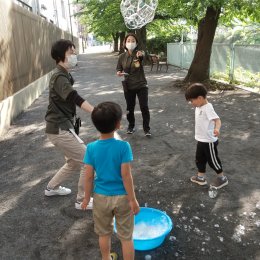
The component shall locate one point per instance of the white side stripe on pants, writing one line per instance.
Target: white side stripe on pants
(213, 156)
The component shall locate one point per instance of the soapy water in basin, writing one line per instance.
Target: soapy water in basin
(144, 230)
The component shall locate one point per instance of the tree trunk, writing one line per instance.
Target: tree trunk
(122, 37)
(115, 38)
(199, 69)
(142, 36)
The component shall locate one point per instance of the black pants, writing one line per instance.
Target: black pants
(130, 97)
(208, 153)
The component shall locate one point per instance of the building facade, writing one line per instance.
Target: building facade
(58, 12)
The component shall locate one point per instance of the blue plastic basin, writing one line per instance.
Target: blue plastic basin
(151, 228)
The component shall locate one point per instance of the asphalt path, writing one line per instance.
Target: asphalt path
(37, 227)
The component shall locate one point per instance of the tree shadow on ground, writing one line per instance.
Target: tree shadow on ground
(36, 227)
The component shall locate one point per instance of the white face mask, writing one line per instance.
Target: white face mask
(130, 45)
(72, 61)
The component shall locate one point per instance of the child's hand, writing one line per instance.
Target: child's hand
(216, 132)
(134, 207)
(84, 203)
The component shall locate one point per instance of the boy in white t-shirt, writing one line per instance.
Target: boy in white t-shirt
(207, 128)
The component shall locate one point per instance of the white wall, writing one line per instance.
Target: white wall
(12, 106)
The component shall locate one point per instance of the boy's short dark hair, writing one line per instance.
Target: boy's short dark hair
(105, 116)
(195, 90)
(59, 49)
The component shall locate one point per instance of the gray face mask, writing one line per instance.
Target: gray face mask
(72, 61)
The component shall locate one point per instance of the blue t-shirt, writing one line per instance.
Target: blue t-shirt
(106, 157)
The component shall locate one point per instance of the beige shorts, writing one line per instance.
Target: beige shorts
(105, 208)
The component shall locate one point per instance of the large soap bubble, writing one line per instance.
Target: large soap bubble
(137, 13)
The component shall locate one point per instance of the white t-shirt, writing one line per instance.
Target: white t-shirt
(204, 124)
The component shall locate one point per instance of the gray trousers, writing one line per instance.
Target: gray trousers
(74, 153)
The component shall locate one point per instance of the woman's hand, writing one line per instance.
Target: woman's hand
(140, 54)
(121, 73)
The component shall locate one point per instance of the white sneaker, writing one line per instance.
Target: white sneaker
(90, 204)
(61, 191)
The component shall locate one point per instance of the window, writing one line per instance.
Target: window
(63, 9)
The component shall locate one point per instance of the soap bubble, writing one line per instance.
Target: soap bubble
(137, 13)
(213, 192)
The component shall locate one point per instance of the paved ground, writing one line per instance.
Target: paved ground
(37, 227)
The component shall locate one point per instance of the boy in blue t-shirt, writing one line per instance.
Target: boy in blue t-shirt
(107, 163)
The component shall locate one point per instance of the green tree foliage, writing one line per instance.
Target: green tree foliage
(206, 15)
(104, 19)
(238, 34)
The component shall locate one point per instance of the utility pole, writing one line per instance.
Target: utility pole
(70, 22)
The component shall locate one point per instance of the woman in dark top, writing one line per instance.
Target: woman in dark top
(130, 66)
(63, 99)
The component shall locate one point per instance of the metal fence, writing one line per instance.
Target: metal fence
(239, 63)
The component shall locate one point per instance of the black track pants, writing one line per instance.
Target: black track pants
(208, 153)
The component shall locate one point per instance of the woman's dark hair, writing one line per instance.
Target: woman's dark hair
(59, 49)
(195, 90)
(130, 34)
(105, 116)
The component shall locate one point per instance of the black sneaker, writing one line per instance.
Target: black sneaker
(147, 133)
(219, 182)
(196, 179)
(130, 130)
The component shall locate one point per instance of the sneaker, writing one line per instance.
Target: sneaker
(147, 133)
(196, 179)
(219, 182)
(113, 256)
(61, 191)
(90, 204)
(130, 130)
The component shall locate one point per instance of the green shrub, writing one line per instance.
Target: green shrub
(159, 44)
